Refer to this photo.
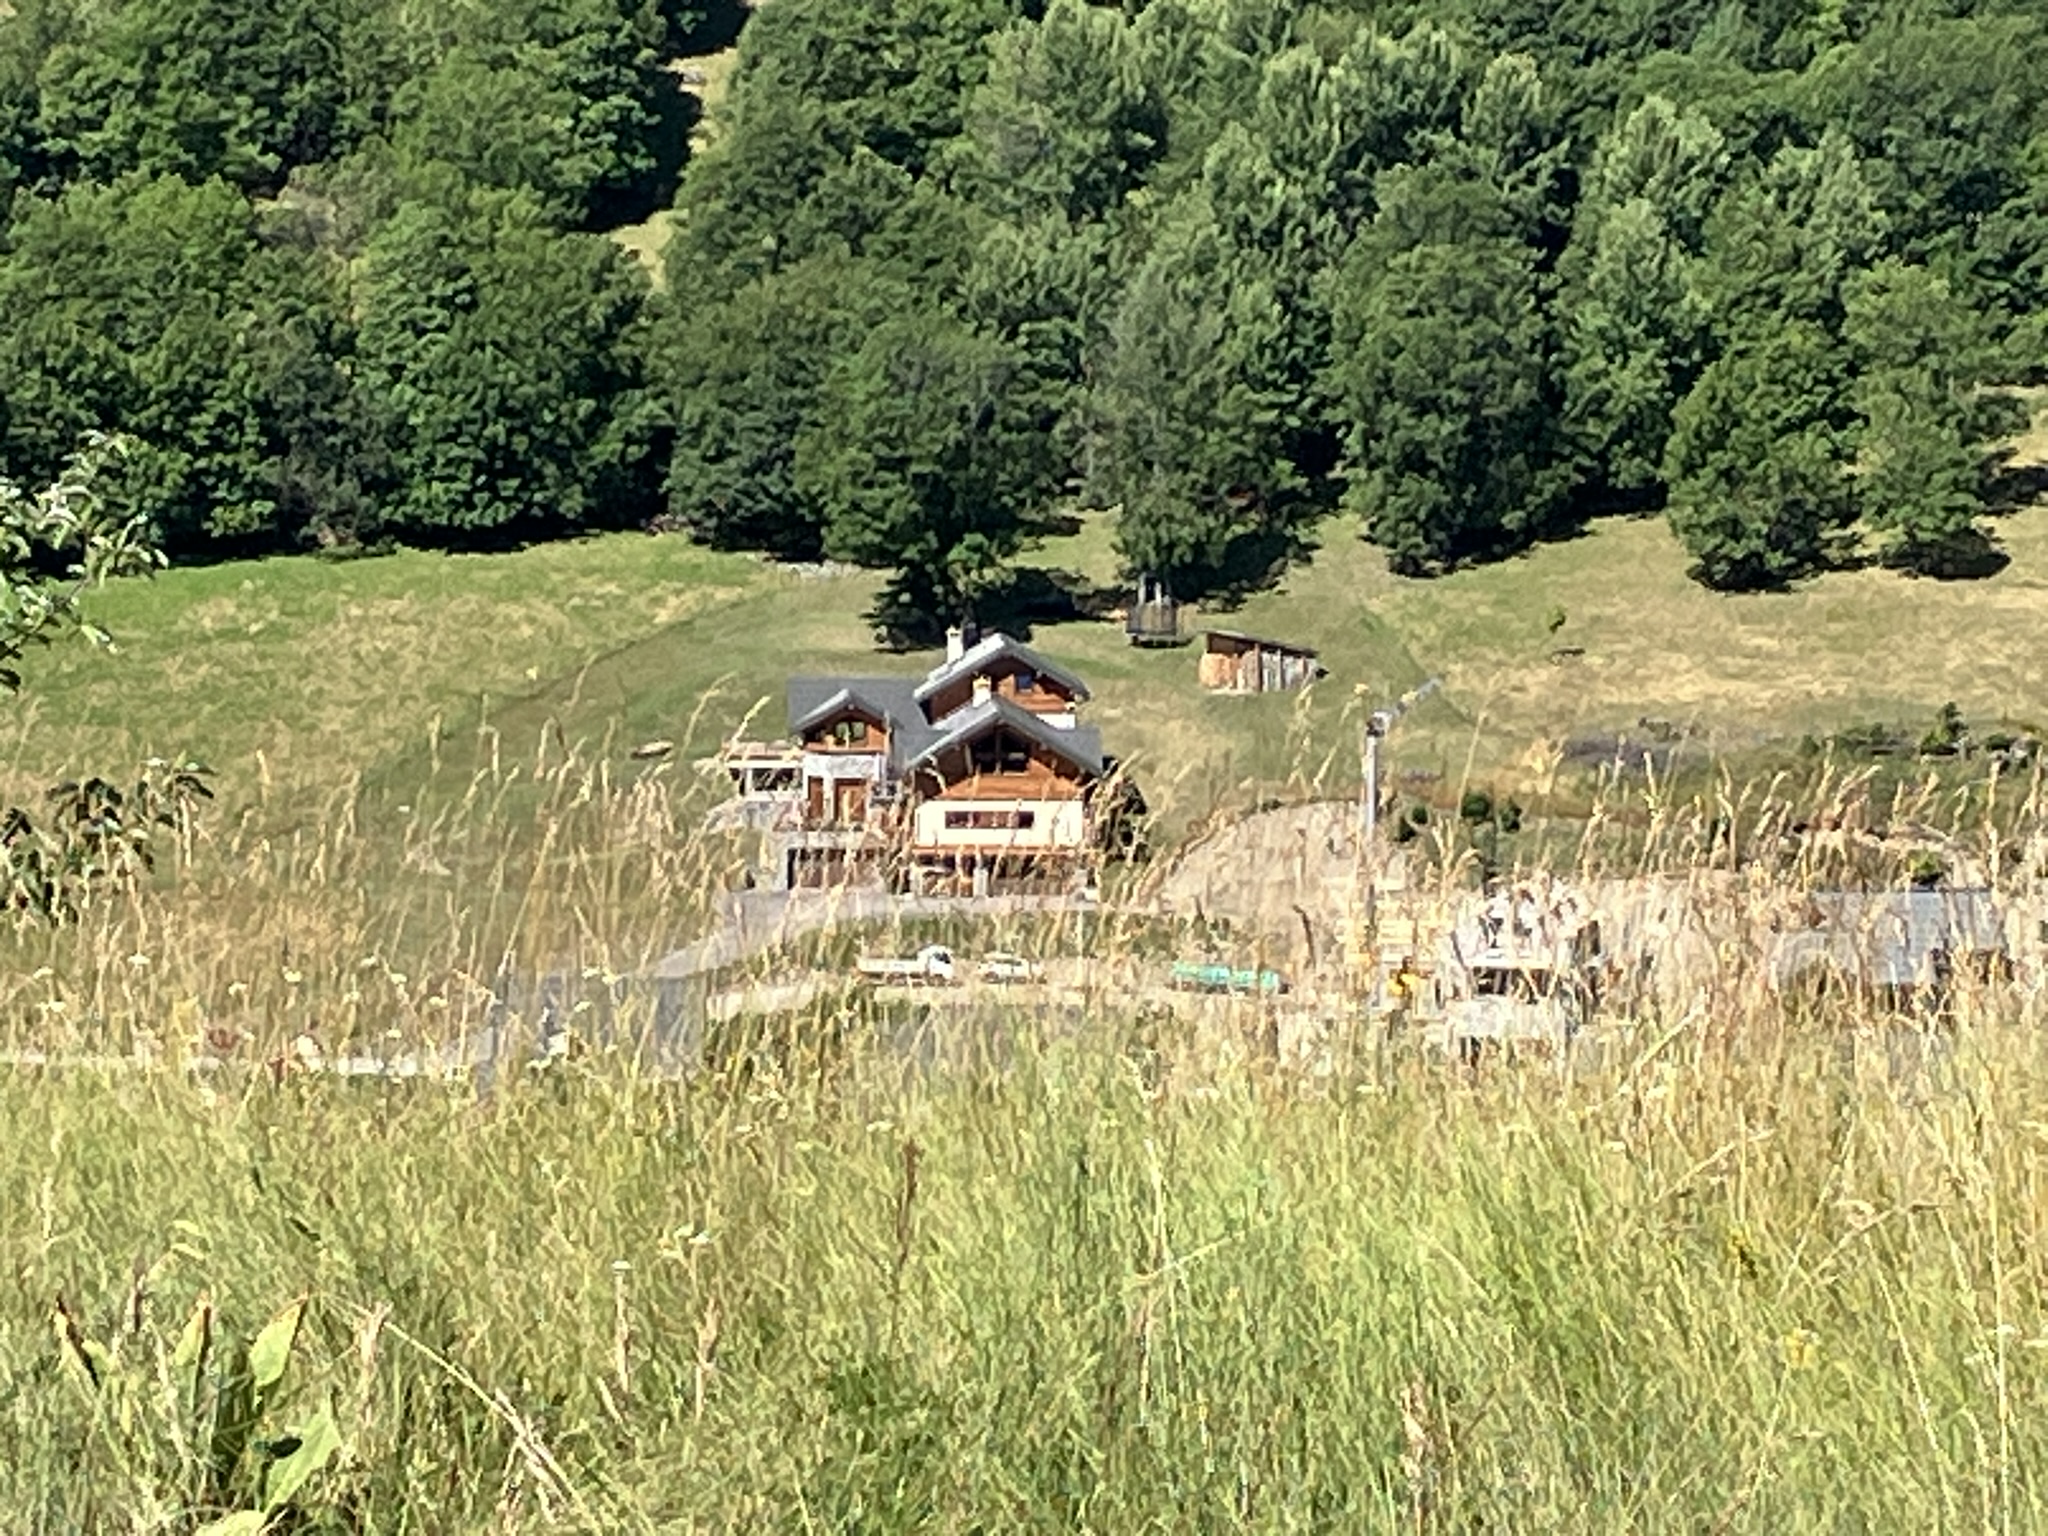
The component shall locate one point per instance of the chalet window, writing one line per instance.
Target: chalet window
(1027, 682)
(999, 752)
(991, 821)
(850, 733)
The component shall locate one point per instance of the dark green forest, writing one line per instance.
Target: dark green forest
(1455, 277)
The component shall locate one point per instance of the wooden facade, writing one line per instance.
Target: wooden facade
(1002, 766)
(1010, 680)
(854, 729)
(982, 764)
(1239, 663)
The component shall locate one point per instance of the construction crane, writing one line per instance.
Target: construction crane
(1377, 724)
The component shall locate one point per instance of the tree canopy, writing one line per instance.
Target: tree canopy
(1224, 269)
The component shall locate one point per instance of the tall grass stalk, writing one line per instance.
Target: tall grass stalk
(1752, 1266)
(1752, 1280)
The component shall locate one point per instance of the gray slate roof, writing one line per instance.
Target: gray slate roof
(1080, 745)
(992, 648)
(842, 700)
(900, 704)
(812, 699)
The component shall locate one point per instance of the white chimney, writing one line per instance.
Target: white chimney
(956, 644)
(982, 689)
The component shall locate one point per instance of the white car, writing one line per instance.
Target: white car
(932, 964)
(1003, 966)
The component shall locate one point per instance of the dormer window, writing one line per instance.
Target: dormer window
(850, 733)
(1027, 682)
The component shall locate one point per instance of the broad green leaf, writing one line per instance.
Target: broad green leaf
(272, 1348)
(319, 1439)
(245, 1522)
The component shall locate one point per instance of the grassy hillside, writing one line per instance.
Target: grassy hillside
(306, 673)
(299, 675)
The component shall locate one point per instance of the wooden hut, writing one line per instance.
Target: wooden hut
(1238, 663)
(1154, 619)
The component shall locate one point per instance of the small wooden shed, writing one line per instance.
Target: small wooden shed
(1154, 619)
(1238, 663)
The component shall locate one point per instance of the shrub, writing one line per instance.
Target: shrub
(1947, 735)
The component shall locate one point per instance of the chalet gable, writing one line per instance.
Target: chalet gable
(1013, 671)
(847, 706)
(1080, 750)
(818, 703)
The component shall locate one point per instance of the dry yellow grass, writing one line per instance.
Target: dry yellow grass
(1846, 648)
(2030, 448)
(1741, 1269)
(646, 242)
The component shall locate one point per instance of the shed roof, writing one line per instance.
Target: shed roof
(1261, 642)
(984, 653)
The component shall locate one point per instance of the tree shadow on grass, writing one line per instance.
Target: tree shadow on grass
(1029, 596)
(1025, 598)
(1033, 595)
(677, 111)
(2010, 487)
(716, 28)
(1252, 562)
(1970, 557)
(1062, 524)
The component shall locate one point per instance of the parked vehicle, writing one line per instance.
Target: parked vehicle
(1004, 966)
(1194, 976)
(934, 964)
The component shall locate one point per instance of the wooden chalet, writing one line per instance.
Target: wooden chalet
(976, 775)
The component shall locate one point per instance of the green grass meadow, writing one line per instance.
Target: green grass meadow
(1749, 1286)
(1745, 1269)
(300, 678)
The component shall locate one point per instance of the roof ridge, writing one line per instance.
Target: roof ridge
(989, 647)
(957, 727)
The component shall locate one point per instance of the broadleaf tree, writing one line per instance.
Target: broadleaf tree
(746, 382)
(1918, 354)
(1443, 374)
(1191, 413)
(930, 456)
(1758, 462)
(503, 365)
(57, 543)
